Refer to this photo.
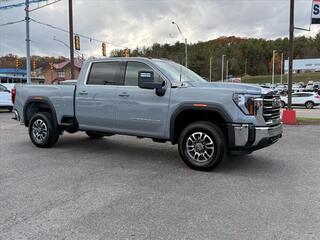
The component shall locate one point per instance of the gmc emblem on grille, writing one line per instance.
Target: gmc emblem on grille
(276, 103)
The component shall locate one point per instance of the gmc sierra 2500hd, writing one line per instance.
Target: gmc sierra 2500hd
(157, 99)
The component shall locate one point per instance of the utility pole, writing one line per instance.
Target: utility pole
(245, 67)
(210, 74)
(273, 55)
(28, 43)
(281, 68)
(222, 66)
(291, 36)
(227, 71)
(186, 51)
(71, 40)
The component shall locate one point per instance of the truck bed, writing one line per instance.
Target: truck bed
(60, 96)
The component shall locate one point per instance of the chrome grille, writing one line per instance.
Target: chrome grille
(271, 109)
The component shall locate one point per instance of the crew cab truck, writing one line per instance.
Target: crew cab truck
(157, 99)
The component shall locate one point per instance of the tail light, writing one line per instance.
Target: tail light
(317, 96)
(13, 95)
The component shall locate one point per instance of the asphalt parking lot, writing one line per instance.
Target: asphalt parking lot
(124, 188)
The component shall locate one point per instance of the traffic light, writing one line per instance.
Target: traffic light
(126, 52)
(77, 42)
(34, 64)
(104, 52)
(17, 63)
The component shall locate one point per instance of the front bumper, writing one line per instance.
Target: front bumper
(247, 137)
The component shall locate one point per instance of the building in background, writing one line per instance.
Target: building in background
(62, 71)
(13, 75)
(304, 65)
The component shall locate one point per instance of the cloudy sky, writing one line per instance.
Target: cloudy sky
(132, 23)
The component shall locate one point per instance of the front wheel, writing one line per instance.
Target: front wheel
(282, 104)
(202, 146)
(42, 130)
(309, 105)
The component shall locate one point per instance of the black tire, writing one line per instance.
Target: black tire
(39, 124)
(211, 132)
(309, 105)
(282, 104)
(94, 135)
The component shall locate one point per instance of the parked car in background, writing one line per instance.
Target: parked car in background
(281, 89)
(309, 100)
(5, 98)
(9, 86)
(297, 88)
(312, 86)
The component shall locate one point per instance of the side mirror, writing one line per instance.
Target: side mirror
(146, 80)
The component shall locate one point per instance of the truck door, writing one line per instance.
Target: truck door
(95, 103)
(141, 111)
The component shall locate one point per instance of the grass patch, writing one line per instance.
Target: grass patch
(302, 77)
(308, 121)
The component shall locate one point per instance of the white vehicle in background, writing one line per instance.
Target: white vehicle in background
(281, 88)
(307, 99)
(297, 88)
(5, 98)
(312, 86)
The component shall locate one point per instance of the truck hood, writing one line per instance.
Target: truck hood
(235, 87)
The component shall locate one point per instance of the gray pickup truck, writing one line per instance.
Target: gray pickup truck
(157, 99)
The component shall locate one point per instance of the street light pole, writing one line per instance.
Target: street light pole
(273, 55)
(210, 74)
(71, 40)
(186, 51)
(222, 66)
(289, 115)
(28, 43)
(281, 68)
(291, 36)
(227, 71)
(185, 44)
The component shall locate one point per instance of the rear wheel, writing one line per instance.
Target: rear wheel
(309, 105)
(42, 130)
(202, 146)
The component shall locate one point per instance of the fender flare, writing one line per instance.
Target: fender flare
(37, 99)
(190, 106)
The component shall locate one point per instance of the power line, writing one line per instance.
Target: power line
(81, 35)
(10, 23)
(19, 4)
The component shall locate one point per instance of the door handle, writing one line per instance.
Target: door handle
(124, 94)
(83, 93)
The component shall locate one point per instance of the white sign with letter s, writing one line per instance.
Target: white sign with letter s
(315, 12)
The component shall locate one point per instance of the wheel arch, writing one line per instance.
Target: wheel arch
(190, 112)
(37, 104)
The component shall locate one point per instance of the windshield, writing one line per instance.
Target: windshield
(175, 72)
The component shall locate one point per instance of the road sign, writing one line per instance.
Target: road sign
(316, 12)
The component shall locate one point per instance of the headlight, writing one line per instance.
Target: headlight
(248, 103)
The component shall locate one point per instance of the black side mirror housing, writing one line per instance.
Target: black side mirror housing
(146, 80)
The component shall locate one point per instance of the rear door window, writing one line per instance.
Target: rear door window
(104, 73)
